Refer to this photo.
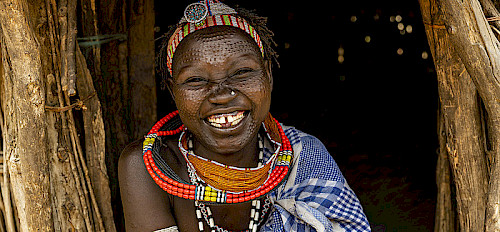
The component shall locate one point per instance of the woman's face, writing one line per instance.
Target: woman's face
(221, 87)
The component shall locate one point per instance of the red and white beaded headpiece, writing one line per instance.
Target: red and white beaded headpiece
(203, 14)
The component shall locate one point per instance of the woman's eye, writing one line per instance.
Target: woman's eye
(195, 81)
(241, 72)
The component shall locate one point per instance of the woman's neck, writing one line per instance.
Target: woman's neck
(246, 157)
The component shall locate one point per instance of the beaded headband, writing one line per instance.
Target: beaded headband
(203, 14)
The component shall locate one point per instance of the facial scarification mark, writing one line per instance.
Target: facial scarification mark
(207, 66)
(258, 23)
(217, 46)
(216, 52)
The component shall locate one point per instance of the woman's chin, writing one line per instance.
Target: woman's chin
(227, 145)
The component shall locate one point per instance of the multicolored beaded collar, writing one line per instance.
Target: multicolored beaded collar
(169, 181)
(203, 14)
(221, 176)
(257, 213)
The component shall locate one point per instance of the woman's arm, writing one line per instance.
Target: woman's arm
(145, 205)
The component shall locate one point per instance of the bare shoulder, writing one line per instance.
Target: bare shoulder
(131, 153)
(131, 168)
(145, 205)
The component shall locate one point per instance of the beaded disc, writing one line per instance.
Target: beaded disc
(195, 12)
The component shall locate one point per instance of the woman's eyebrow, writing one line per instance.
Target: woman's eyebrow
(237, 59)
(187, 67)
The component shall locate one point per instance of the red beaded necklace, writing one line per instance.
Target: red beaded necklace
(174, 185)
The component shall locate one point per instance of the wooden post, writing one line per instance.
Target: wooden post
(445, 210)
(54, 183)
(467, 58)
(25, 119)
(5, 182)
(95, 143)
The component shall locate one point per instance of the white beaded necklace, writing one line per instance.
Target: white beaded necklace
(203, 211)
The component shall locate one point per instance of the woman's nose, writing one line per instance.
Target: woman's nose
(222, 95)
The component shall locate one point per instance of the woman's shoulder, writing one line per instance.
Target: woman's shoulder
(131, 159)
(132, 151)
(145, 203)
(298, 137)
(313, 158)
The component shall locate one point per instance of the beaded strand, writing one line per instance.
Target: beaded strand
(220, 176)
(173, 185)
(256, 215)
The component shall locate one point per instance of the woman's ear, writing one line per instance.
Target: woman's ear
(268, 66)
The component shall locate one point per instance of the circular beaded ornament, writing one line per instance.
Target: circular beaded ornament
(196, 12)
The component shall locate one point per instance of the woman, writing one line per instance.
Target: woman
(222, 162)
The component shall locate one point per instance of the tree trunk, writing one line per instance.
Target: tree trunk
(466, 55)
(26, 150)
(58, 184)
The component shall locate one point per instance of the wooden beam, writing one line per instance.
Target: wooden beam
(25, 117)
(467, 39)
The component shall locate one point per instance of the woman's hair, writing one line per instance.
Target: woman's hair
(258, 22)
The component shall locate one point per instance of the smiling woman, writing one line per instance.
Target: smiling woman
(219, 72)
(222, 162)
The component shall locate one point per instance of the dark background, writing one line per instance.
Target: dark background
(376, 111)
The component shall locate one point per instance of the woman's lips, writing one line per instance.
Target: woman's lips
(226, 120)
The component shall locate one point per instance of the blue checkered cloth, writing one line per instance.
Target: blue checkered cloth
(316, 196)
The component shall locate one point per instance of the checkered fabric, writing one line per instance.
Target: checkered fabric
(316, 197)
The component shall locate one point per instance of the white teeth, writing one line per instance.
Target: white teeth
(215, 124)
(231, 119)
(235, 122)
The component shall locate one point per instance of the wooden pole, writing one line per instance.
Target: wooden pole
(25, 117)
(466, 52)
(71, 45)
(95, 147)
(478, 48)
(445, 211)
(5, 183)
(69, 203)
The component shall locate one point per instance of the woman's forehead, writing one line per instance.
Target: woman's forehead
(214, 44)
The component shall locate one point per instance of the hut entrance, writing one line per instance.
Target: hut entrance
(77, 84)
